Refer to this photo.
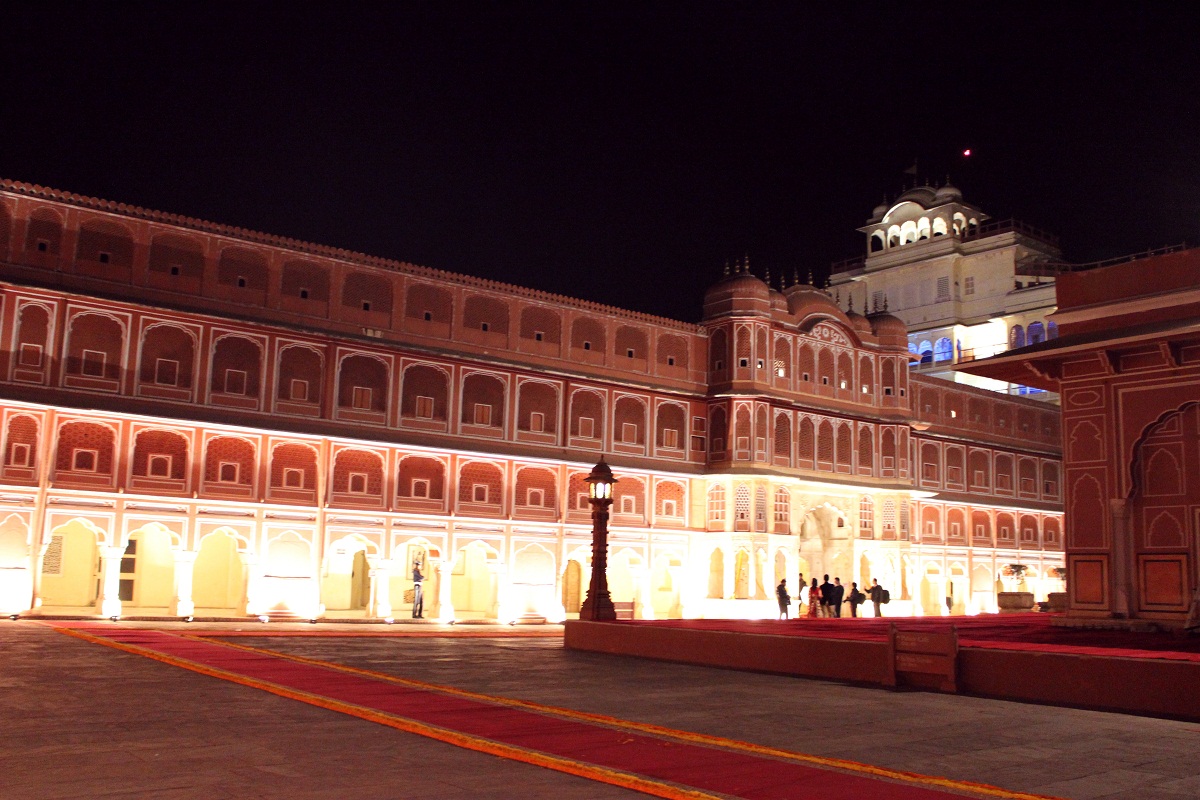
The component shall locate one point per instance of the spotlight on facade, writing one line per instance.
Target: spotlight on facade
(14, 617)
(598, 605)
(188, 619)
(312, 621)
(115, 617)
(263, 618)
(390, 620)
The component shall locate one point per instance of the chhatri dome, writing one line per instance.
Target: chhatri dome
(738, 292)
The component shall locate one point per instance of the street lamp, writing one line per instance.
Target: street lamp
(599, 605)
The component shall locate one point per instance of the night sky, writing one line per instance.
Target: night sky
(610, 151)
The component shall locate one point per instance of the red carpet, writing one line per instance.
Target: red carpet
(1030, 632)
(656, 761)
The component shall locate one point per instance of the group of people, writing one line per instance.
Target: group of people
(826, 599)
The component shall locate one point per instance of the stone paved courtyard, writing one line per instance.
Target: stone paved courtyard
(83, 720)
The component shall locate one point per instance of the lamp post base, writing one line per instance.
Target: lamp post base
(598, 608)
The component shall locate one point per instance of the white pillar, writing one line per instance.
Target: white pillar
(647, 584)
(503, 608)
(185, 566)
(445, 605)
(381, 588)
(110, 581)
(254, 602)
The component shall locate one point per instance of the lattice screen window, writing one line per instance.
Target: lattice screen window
(52, 562)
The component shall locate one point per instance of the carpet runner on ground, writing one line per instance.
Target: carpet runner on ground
(654, 760)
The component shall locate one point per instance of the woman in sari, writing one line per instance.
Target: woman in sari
(814, 599)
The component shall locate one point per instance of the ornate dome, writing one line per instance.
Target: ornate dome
(889, 329)
(741, 293)
(860, 323)
(803, 298)
(947, 194)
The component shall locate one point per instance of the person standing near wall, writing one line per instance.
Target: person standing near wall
(876, 595)
(785, 600)
(418, 610)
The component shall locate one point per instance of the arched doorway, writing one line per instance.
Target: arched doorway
(346, 578)
(741, 575)
(532, 581)
(148, 570)
(932, 596)
(983, 589)
(71, 568)
(16, 582)
(665, 584)
(716, 574)
(572, 585)
(473, 582)
(219, 576)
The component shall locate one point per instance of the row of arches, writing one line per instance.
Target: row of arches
(809, 442)
(1035, 332)
(921, 229)
(164, 460)
(807, 366)
(186, 363)
(191, 263)
(150, 571)
(990, 471)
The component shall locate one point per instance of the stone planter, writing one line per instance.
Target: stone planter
(1058, 601)
(1014, 602)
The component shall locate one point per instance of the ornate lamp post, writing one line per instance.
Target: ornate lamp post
(599, 605)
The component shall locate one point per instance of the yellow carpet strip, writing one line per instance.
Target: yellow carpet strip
(975, 789)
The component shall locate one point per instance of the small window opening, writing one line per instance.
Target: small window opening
(483, 326)
(587, 345)
(241, 282)
(670, 361)
(428, 317)
(43, 245)
(537, 336)
(103, 258)
(366, 305)
(304, 294)
(174, 269)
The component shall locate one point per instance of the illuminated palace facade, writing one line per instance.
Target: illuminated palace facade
(205, 421)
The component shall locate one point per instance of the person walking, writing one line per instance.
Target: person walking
(418, 609)
(814, 599)
(785, 600)
(855, 599)
(839, 593)
(876, 595)
(826, 597)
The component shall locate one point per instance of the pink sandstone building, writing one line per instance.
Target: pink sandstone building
(1128, 366)
(200, 420)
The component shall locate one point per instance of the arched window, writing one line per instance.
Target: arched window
(926, 352)
(943, 350)
(716, 505)
(866, 517)
(1051, 330)
(1016, 337)
(1037, 332)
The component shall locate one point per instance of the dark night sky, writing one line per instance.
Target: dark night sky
(611, 151)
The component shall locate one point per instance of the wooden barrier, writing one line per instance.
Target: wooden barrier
(924, 660)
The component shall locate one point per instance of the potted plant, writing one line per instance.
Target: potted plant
(1020, 600)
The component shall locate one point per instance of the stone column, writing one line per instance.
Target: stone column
(254, 603)
(381, 588)
(110, 581)
(185, 565)
(1122, 560)
(445, 604)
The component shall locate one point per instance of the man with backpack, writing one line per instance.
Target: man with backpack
(879, 596)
